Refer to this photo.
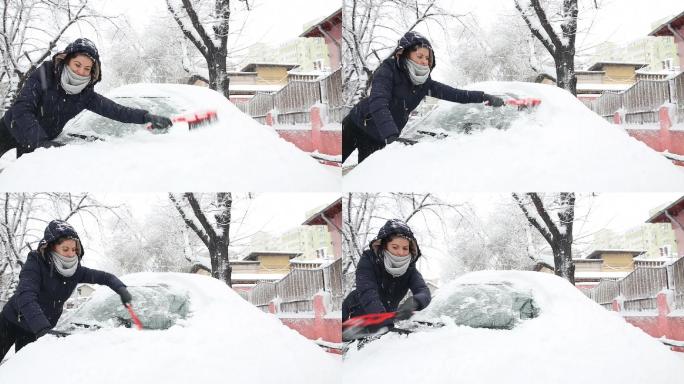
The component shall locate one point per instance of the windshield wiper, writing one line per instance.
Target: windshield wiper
(88, 138)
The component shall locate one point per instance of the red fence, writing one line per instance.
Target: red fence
(641, 102)
(306, 300)
(291, 105)
(648, 299)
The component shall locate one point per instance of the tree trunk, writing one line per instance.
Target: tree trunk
(565, 71)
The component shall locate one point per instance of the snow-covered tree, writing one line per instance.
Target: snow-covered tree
(501, 241)
(158, 54)
(207, 26)
(215, 234)
(161, 244)
(554, 217)
(507, 52)
(554, 24)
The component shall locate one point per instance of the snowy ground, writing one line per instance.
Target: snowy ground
(225, 340)
(235, 154)
(573, 340)
(562, 145)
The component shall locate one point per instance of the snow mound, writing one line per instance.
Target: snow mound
(235, 153)
(224, 339)
(573, 340)
(561, 145)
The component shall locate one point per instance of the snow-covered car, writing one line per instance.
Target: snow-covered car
(229, 152)
(558, 145)
(195, 330)
(513, 327)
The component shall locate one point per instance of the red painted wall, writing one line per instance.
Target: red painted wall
(336, 235)
(679, 233)
(333, 48)
(317, 327)
(662, 139)
(331, 141)
(671, 327)
(326, 142)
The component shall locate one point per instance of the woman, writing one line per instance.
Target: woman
(399, 84)
(56, 92)
(385, 273)
(46, 281)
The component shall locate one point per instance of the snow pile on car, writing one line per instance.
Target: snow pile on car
(494, 306)
(224, 339)
(561, 145)
(234, 153)
(572, 340)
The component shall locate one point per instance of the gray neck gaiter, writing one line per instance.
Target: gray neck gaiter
(396, 265)
(418, 73)
(66, 266)
(73, 83)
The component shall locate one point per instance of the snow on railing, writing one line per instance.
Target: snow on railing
(296, 290)
(677, 271)
(677, 95)
(641, 101)
(262, 294)
(259, 105)
(607, 104)
(646, 96)
(639, 288)
(605, 293)
(296, 98)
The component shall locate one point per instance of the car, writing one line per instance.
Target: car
(515, 327)
(227, 150)
(195, 330)
(559, 144)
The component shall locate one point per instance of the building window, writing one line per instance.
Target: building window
(667, 63)
(318, 65)
(666, 251)
(320, 253)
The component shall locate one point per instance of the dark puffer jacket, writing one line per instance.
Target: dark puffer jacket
(378, 291)
(42, 107)
(39, 299)
(393, 96)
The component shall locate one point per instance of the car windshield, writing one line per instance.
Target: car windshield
(157, 307)
(454, 118)
(90, 123)
(492, 305)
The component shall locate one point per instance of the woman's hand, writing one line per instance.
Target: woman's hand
(406, 309)
(391, 139)
(126, 297)
(158, 122)
(492, 100)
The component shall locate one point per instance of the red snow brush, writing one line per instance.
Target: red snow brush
(358, 327)
(193, 119)
(197, 119)
(524, 103)
(135, 318)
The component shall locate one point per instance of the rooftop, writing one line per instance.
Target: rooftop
(599, 65)
(331, 210)
(663, 30)
(672, 209)
(251, 67)
(596, 254)
(254, 255)
(327, 24)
